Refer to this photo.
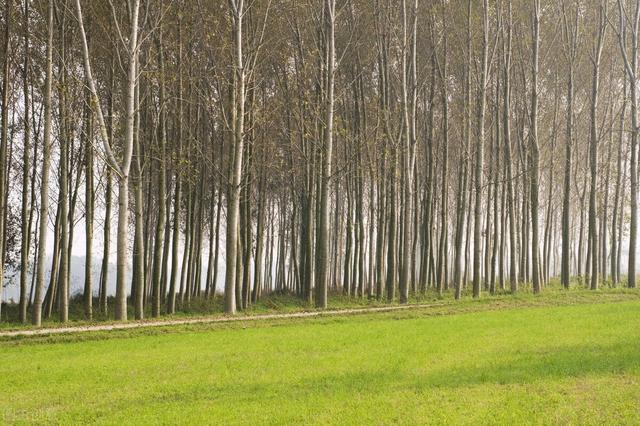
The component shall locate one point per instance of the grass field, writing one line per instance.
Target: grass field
(544, 360)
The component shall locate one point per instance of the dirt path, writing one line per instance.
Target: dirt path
(206, 320)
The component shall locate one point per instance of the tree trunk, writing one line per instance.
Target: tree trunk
(36, 318)
(593, 147)
(26, 169)
(88, 218)
(478, 179)
(535, 154)
(322, 242)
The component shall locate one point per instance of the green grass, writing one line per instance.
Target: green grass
(560, 358)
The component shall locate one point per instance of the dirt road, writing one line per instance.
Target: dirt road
(206, 320)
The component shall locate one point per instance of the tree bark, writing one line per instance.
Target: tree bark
(36, 318)
(322, 241)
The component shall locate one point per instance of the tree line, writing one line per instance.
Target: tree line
(377, 148)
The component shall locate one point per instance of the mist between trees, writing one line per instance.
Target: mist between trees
(380, 149)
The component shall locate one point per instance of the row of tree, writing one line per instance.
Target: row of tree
(379, 148)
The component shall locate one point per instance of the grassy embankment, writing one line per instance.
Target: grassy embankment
(277, 303)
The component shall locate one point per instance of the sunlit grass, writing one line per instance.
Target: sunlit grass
(560, 358)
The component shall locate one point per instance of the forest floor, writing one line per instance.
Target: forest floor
(561, 357)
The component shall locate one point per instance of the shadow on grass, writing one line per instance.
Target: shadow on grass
(523, 366)
(519, 367)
